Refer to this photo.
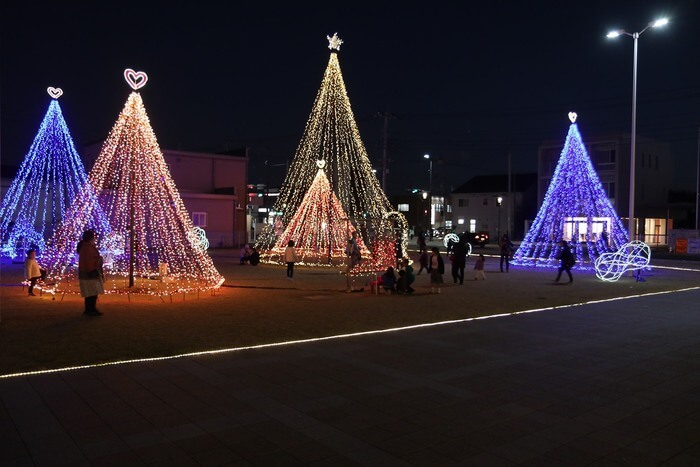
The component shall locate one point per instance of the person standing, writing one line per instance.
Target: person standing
(566, 261)
(32, 271)
(459, 261)
(506, 251)
(423, 260)
(290, 257)
(479, 268)
(410, 276)
(352, 251)
(436, 267)
(421, 243)
(90, 272)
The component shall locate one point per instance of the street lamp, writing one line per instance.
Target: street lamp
(635, 36)
(499, 202)
(430, 190)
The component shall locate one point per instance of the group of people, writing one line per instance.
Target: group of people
(91, 276)
(400, 284)
(249, 255)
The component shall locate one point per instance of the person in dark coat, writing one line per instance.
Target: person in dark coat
(459, 261)
(567, 261)
(506, 251)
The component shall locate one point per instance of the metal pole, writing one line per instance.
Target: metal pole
(498, 231)
(633, 144)
(509, 230)
(697, 187)
(430, 196)
(384, 161)
(431, 177)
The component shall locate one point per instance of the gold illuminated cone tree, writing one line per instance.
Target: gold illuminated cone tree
(153, 246)
(319, 228)
(331, 135)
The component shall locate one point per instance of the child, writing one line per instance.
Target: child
(389, 280)
(479, 268)
(436, 268)
(406, 278)
(290, 257)
(32, 271)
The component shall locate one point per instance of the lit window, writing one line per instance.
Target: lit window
(403, 207)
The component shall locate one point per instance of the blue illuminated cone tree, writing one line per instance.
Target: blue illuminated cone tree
(49, 179)
(575, 208)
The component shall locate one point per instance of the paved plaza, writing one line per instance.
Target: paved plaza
(582, 381)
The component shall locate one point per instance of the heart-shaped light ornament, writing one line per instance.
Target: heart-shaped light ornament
(572, 117)
(136, 79)
(55, 93)
(321, 163)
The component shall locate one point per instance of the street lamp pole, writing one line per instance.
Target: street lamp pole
(633, 138)
(499, 202)
(430, 190)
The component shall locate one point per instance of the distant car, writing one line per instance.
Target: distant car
(476, 238)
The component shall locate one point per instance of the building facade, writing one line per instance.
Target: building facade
(489, 203)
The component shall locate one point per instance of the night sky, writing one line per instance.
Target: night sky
(466, 84)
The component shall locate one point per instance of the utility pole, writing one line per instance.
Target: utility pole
(385, 145)
(510, 203)
(697, 188)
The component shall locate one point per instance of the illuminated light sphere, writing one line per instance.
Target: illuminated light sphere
(330, 189)
(450, 237)
(575, 208)
(632, 256)
(453, 237)
(136, 79)
(55, 93)
(198, 238)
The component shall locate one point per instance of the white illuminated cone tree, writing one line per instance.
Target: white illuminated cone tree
(152, 232)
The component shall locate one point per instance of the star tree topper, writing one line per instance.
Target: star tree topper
(334, 42)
